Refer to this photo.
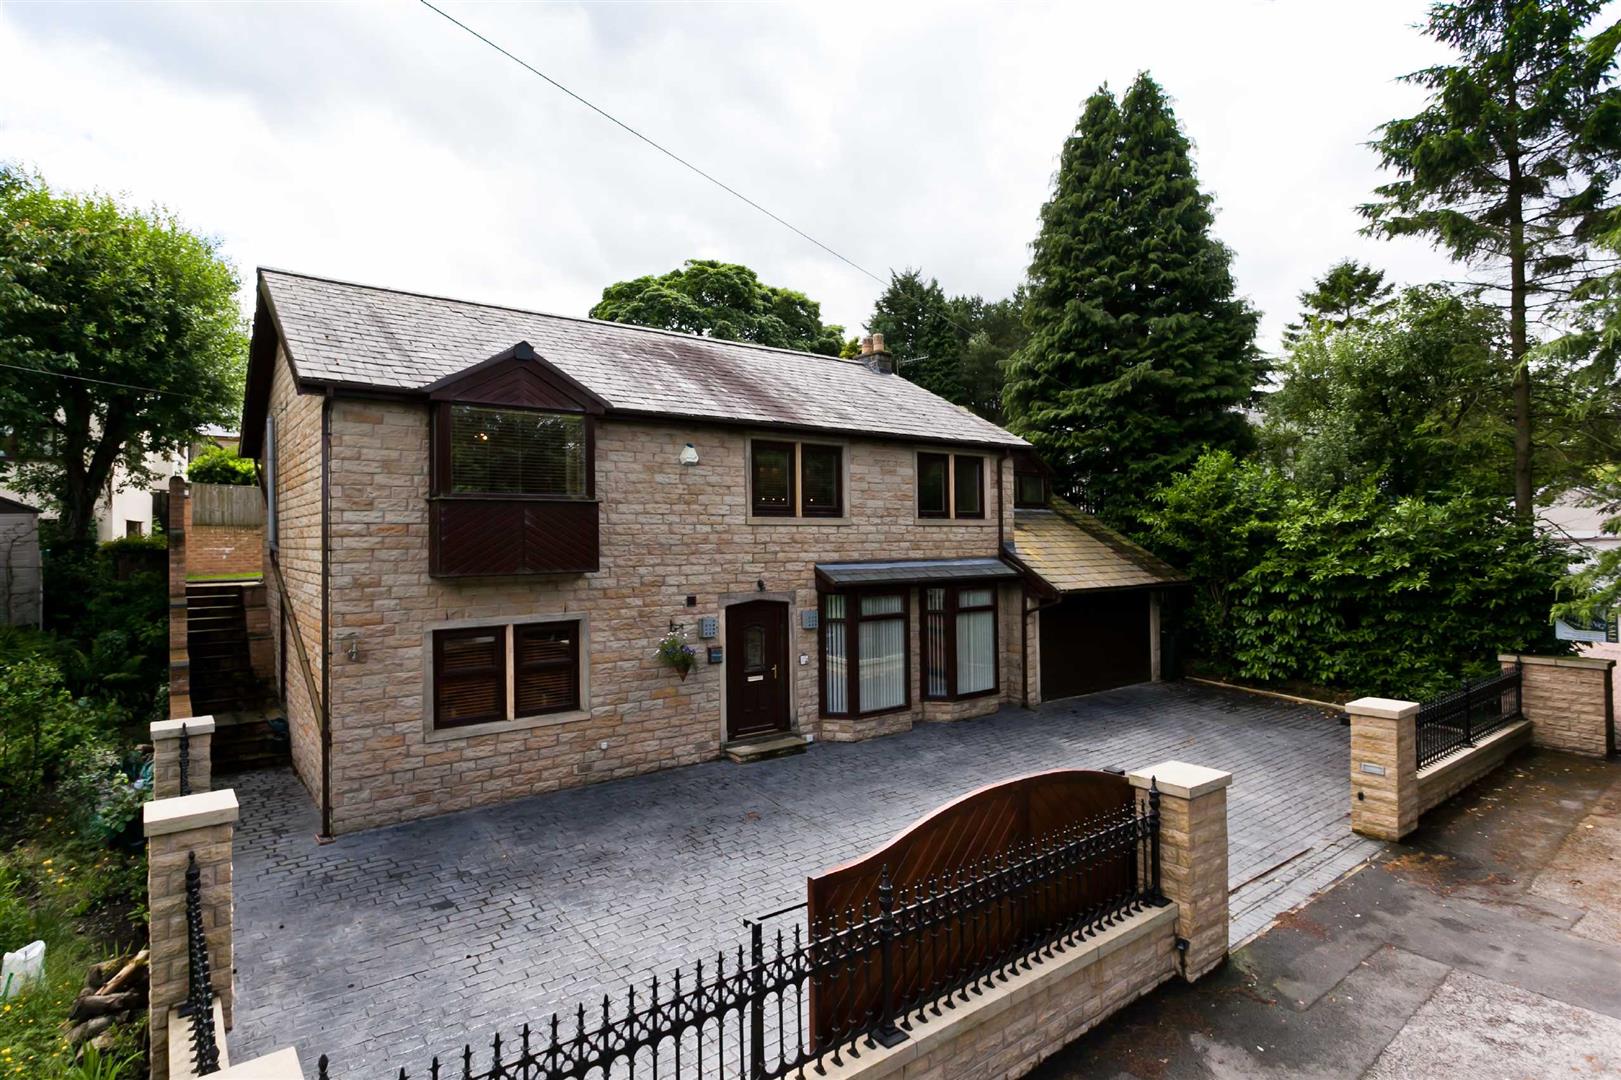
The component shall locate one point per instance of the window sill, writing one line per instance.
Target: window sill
(937, 522)
(786, 520)
(497, 727)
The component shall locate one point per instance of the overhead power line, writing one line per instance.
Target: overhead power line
(660, 147)
(102, 382)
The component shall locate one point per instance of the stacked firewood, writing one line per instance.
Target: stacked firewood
(114, 994)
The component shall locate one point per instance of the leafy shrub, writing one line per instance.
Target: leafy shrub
(41, 724)
(1350, 589)
(217, 465)
(111, 633)
(145, 542)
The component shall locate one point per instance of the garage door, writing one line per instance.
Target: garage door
(1094, 641)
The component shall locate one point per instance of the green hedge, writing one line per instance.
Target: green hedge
(1352, 589)
(216, 465)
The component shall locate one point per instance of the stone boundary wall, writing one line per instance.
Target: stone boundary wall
(1014, 1026)
(1439, 782)
(226, 549)
(1570, 699)
(179, 658)
(165, 735)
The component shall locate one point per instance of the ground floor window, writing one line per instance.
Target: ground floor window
(959, 641)
(486, 674)
(864, 653)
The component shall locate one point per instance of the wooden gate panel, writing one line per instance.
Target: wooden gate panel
(968, 832)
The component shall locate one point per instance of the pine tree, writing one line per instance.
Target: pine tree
(1348, 295)
(1139, 354)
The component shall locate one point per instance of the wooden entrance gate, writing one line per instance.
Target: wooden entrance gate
(1006, 821)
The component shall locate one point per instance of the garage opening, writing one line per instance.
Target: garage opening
(1095, 641)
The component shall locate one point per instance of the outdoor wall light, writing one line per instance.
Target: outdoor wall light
(689, 454)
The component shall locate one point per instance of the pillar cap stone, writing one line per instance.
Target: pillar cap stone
(281, 1065)
(200, 811)
(1382, 708)
(1180, 779)
(1594, 662)
(170, 729)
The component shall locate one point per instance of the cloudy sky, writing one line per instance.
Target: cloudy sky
(378, 142)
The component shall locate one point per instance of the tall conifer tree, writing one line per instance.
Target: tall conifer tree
(1140, 354)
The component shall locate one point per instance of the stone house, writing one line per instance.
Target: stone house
(481, 522)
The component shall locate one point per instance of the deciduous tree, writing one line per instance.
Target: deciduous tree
(721, 300)
(121, 336)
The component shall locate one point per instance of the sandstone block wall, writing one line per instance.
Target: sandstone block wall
(1384, 767)
(1009, 1029)
(1569, 699)
(1439, 782)
(226, 549)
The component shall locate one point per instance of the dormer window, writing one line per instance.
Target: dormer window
(517, 452)
(513, 489)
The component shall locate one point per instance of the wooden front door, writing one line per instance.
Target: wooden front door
(756, 668)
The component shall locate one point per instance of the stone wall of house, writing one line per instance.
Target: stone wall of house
(667, 531)
(298, 488)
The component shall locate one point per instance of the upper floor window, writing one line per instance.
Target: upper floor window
(517, 452)
(950, 485)
(795, 479)
(1029, 490)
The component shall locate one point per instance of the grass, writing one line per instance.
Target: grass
(224, 577)
(83, 901)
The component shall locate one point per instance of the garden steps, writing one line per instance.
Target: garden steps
(764, 747)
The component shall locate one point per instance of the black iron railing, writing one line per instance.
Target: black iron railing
(1457, 720)
(801, 1000)
(199, 1003)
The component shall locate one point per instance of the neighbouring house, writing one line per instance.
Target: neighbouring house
(482, 521)
(20, 578)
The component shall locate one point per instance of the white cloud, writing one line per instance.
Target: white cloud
(378, 142)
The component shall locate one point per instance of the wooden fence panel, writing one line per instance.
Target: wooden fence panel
(227, 504)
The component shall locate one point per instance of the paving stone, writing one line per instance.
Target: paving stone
(387, 946)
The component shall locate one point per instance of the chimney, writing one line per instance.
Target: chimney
(876, 356)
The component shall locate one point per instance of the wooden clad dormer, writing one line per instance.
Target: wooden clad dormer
(512, 486)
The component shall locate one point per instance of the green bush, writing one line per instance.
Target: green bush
(41, 726)
(111, 634)
(217, 465)
(1350, 589)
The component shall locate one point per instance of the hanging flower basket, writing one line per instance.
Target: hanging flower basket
(675, 654)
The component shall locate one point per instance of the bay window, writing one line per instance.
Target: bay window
(865, 667)
(959, 641)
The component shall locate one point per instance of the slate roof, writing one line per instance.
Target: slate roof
(343, 334)
(1075, 552)
(911, 571)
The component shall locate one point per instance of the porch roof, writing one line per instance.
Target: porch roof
(912, 571)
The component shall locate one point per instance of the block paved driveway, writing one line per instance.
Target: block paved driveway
(389, 946)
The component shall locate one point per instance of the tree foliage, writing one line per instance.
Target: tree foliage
(142, 313)
(955, 346)
(1140, 354)
(1347, 295)
(1348, 588)
(721, 300)
(1414, 399)
(217, 465)
(1510, 166)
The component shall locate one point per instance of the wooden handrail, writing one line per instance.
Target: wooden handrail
(298, 635)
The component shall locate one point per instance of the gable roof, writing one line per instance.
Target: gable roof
(360, 337)
(12, 506)
(1075, 552)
